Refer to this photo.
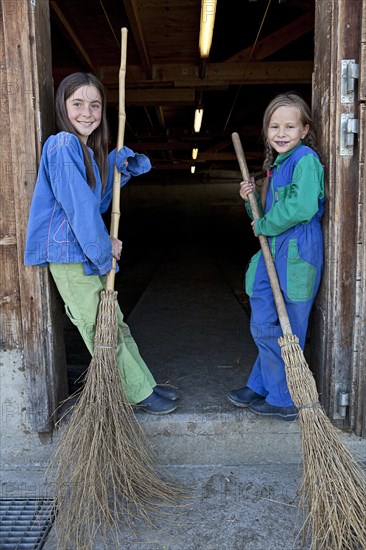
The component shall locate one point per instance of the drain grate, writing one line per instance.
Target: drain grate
(25, 523)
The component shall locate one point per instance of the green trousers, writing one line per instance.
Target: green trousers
(81, 294)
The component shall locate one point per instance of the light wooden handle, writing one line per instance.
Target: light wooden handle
(116, 212)
(272, 274)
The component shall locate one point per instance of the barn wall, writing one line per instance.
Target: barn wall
(32, 357)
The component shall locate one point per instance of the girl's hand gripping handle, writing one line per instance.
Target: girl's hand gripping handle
(275, 285)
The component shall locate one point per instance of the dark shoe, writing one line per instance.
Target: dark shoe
(243, 397)
(263, 408)
(155, 404)
(165, 391)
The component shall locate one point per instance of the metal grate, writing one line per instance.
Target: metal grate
(25, 523)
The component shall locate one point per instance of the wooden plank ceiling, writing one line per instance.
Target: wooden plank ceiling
(260, 48)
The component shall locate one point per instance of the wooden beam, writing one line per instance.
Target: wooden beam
(276, 40)
(155, 97)
(160, 115)
(204, 157)
(337, 355)
(137, 32)
(218, 75)
(30, 109)
(213, 156)
(138, 36)
(160, 146)
(65, 25)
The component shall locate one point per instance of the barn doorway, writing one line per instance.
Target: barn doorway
(191, 226)
(233, 87)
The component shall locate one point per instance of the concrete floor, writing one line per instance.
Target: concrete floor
(193, 331)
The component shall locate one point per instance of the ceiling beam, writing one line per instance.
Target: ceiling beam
(155, 97)
(138, 36)
(218, 75)
(205, 157)
(66, 27)
(276, 40)
(161, 146)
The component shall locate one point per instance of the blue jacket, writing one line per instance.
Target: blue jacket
(65, 222)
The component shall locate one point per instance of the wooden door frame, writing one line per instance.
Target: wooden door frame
(338, 327)
(32, 310)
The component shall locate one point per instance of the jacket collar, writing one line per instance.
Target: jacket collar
(280, 158)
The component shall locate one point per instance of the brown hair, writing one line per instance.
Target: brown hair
(288, 99)
(98, 140)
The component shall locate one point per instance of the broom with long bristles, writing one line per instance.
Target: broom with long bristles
(106, 475)
(334, 484)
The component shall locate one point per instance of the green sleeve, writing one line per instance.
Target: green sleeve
(259, 202)
(297, 202)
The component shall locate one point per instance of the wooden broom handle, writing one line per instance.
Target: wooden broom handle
(116, 212)
(272, 274)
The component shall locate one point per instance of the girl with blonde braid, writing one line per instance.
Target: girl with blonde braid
(291, 205)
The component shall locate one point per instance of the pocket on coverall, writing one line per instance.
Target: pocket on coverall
(250, 273)
(300, 275)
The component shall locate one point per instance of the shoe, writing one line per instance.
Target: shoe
(166, 392)
(243, 397)
(155, 404)
(263, 408)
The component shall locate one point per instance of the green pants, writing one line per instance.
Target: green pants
(81, 294)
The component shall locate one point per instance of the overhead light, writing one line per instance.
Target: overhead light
(208, 12)
(198, 114)
(193, 169)
(194, 153)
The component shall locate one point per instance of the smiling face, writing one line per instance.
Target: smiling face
(84, 110)
(285, 129)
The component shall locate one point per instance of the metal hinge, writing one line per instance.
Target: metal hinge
(350, 72)
(341, 401)
(349, 127)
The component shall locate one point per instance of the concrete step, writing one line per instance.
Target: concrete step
(221, 434)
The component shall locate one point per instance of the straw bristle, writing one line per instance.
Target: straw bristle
(106, 474)
(334, 484)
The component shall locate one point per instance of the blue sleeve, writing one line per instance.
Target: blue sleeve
(137, 164)
(69, 184)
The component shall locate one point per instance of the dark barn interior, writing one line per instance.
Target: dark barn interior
(170, 215)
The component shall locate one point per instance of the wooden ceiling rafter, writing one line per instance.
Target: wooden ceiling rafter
(76, 43)
(138, 36)
(202, 159)
(155, 97)
(277, 40)
(219, 75)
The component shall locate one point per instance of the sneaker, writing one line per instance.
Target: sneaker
(243, 397)
(156, 404)
(165, 391)
(263, 408)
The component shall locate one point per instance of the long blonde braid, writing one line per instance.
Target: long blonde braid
(268, 161)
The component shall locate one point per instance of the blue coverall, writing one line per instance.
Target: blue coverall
(292, 223)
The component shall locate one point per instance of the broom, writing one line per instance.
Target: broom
(334, 485)
(105, 471)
